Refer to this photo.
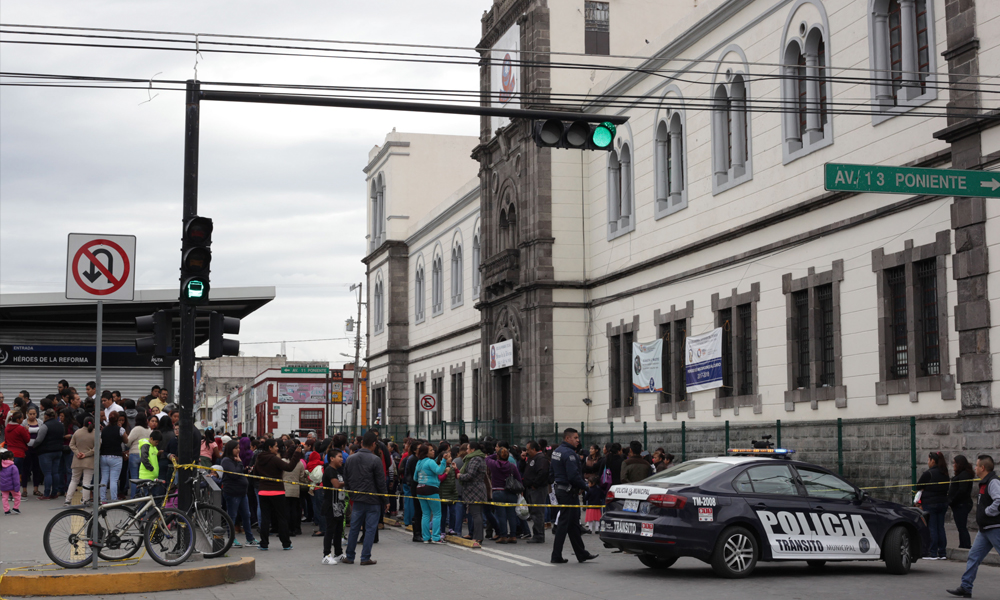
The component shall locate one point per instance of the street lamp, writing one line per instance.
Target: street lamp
(357, 359)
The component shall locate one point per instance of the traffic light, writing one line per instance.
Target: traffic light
(159, 325)
(578, 135)
(225, 415)
(196, 260)
(219, 325)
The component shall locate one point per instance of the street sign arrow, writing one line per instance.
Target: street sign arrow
(993, 184)
(94, 273)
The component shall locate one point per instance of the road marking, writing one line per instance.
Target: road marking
(489, 553)
(518, 557)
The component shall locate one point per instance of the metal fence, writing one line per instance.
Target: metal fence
(876, 453)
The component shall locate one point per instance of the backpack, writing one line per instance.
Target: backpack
(606, 479)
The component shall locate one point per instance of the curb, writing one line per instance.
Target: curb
(67, 583)
(962, 555)
(453, 539)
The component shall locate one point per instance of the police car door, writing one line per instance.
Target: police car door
(842, 520)
(783, 510)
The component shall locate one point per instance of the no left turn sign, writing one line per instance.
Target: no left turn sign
(100, 267)
(428, 402)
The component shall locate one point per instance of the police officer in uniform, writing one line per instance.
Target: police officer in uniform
(988, 519)
(568, 482)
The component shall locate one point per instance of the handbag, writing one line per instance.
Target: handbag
(512, 486)
(522, 509)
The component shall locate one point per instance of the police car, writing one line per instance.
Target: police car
(758, 505)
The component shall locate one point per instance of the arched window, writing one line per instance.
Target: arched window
(670, 161)
(805, 89)
(903, 56)
(419, 293)
(437, 285)
(621, 201)
(457, 272)
(378, 301)
(378, 212)
(731, 164)
(476, 259)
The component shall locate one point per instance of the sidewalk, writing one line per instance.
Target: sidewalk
(25, 565)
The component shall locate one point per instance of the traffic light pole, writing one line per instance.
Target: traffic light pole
(185, 441)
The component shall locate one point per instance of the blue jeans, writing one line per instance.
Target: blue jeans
(407, 505)
(506, 516)
(367, 515)
(985, 539)
(935, 522)
(66, 471)
(238, 508)
(317, 503)
(459, 521)
(51, 463)
(133, 472)
(111, 469)
(431, 519)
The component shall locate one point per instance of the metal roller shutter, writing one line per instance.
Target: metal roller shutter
(41, 381)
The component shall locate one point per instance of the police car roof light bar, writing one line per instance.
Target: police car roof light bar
(774, 452)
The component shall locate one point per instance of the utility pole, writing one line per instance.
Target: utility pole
(185, 446)
(357, 360)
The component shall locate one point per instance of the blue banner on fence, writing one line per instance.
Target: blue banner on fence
(703, 361)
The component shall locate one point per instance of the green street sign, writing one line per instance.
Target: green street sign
(911, 181)
(322, 370)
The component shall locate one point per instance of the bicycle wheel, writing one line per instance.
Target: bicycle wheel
(117, 541)
(170, 539)
(67, 539)
(214, 531)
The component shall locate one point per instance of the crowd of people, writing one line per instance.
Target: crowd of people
(476, 489)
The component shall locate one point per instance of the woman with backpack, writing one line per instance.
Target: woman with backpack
(933, 487)
(503, 475)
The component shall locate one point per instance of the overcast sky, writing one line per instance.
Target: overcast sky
(283, 184)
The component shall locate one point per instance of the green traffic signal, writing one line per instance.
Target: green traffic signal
(195, 289)
(603, 134)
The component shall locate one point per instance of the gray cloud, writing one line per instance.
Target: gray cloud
(283, 184)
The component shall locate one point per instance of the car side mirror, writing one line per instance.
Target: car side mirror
(863, 495)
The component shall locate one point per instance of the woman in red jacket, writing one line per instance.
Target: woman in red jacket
(17, 439)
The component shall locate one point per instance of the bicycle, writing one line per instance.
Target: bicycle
(167, 533)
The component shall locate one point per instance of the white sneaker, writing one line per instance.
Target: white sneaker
(340, 558)
(329, 560)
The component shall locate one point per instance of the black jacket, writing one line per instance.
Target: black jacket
(272, 466)
(233, 482)
(536, 472)
(364, 472)
(937, 491)
(960, 490)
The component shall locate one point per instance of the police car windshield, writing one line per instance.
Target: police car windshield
(692, 472)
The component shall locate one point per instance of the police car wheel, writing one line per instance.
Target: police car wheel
(816, 563)
(898, 551)
(735, 554)
(655, 562)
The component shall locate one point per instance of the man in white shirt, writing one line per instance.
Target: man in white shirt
(110, 405)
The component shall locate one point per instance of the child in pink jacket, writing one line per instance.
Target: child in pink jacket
(10, 483)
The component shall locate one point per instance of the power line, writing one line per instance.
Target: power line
(753, 105)
(200, 37)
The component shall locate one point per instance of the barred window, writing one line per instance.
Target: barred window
(725, 321)
(745, 358)
(801, 301)
(927, 311)
(827, 362)
(899, 359)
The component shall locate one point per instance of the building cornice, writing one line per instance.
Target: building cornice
(382, 152)
(970, 126)
(445, 215)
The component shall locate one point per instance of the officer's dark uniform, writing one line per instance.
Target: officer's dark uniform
(568, 479)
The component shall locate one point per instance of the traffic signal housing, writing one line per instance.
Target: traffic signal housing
(196, 260)
(218, 326)
(159, 324)
(578, 135)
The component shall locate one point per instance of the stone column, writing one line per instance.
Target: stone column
(883, 89)
(676, 165)
(908, 29)
(814, 128)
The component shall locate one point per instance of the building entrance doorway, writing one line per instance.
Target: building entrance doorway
(504, 397)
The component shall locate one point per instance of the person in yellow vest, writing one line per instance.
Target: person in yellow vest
(149, 466)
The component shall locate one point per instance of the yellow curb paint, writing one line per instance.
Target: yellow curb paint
(67, 583)
(453, 539)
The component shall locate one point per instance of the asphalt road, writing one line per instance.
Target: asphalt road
(420, 571)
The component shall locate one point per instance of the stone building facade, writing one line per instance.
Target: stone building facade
(711, 211)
